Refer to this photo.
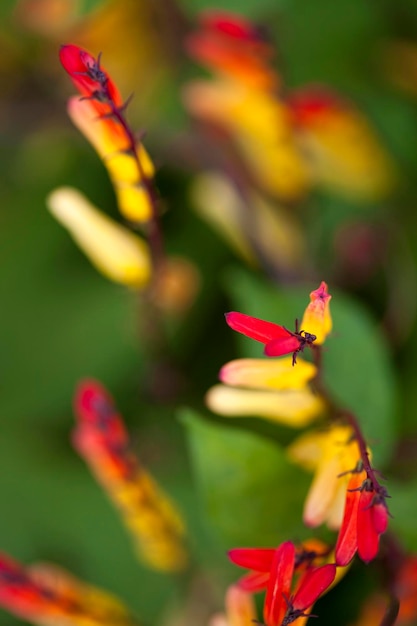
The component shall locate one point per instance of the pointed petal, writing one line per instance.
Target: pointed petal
(257, 329)
(317, 319)
(312, 585)
(79, 63)
(254, 581)
(347, 541)
(279, 587)
(259, 559)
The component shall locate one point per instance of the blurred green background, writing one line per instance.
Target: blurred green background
(61, 320)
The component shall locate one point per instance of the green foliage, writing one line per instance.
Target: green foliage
(250, 493)
(357, 369)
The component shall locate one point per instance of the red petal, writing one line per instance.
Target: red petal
(78, 63)
(254, 581)
(347, 541)
(95, 409)
(368, 537)
(278, 347)
(279, 587)
(313, 101)
(255, 328)
(312, 584)
(232, 25)
(380, 517)
(259, 559)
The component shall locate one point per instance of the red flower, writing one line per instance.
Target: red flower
(91, 80)
(275, 571)
(277, 339)
(365, 519)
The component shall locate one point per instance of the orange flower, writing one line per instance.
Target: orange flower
(102, 440)
(100, 116)
(49, 596)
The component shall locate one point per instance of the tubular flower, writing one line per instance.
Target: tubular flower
(331, 455)
(240, 609)
(116, 252)
(277, 339)
(293, 582)
(99, 114)
(101, 439)
(233, 46)
(344, 154)
(254, 229)
(288, 143)
(365, 519)
(49, 596)
(317, 316)
(272, 389)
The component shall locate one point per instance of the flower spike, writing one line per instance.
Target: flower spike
(101, 439)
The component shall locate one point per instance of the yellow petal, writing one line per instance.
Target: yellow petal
(260, 125)
(317, 319)
(253, 226)
(268, 373)
(345, 155)
(115, 251)
(129, 172)
(294, 408)
(240, 607)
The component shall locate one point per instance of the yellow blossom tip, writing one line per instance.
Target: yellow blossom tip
(116, 252)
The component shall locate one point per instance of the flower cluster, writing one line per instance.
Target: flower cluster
(288, 143)
(276, 390)
(345, 492)
(101, 439)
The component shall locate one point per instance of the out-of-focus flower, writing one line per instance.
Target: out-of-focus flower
(100, 116)
(115, 251)
(234, 47)
(49, 596)
(260, 126)
(365, 519)
(403, 590)
(292, 580)
(342, 151)
(258, 230)
(331, 455)
(240, 609)
(101, 439)
(291, 142)
(176, 285)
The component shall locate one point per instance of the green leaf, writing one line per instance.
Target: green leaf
(357, 368)
(250, 493)
(402, 508)
(250, 8)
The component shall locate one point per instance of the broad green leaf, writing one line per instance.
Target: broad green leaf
(403, 509)
(250, 8)
(250, 493)
(357, 368)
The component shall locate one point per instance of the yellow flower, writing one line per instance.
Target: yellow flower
(331, 455)
(317, 319)
(116, 252)
(129, 172)
(272, 389)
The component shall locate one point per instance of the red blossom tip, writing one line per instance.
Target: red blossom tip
(259, 559)
(312, 585)
(255, 328)
(279, 586)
